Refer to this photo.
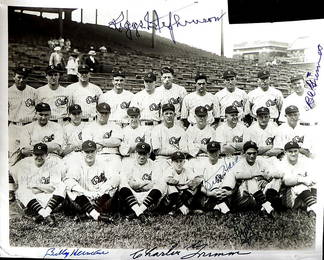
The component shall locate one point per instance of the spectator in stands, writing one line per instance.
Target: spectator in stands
(103, 49)
(72, 66)
(56, 59)
(67, 45)
(92, 62)
(61, 42)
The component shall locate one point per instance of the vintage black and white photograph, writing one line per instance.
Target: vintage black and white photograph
(161, 129)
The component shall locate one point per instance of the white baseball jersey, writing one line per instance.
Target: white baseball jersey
(272, 99)
(226, 135)
(101, 133)
(59, 100)
(193, 100)
(148, 104)
(119, 103)
(169, 140)
(174, 95)
(72, 134)
(237, 98)
(86, 97)
(21, 104)
(184, 177)
(262, 137)
(199, 138)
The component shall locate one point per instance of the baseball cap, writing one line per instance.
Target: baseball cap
(42, 107)
(57, 48)
(263, 111)
(167, 70)
(178, 156)
(51, 69)
(92, 52)
(133, 111)
(149, 77)
(168, 106)
(213, 146)
(75, 109)
(89, 146)
(291, 145)
(201, 111)
(291, 109)
(263, 74)
(231, 110)
(200, 75)
(103, 108)
(229, 74)
(83, 68)
(22, 71)
(248, 145)
(119, 73)
(143, 148)
(40, 149)
(296, 77)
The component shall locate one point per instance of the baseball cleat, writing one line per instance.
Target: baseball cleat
(50, 221)
(105, 218)
(38, 219)
(143, 219)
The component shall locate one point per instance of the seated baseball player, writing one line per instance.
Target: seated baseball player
(230, 134)
(298, 175)
(91, 185)
(140, 188)
(257, 187)
(40, 184)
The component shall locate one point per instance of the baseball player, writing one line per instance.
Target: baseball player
(91, 185)
(118, 98)
(140, 186)
(264, 96)
(298, 175)
(199, 98)
(132, 134)
(72, 132)
(167, 137)
(40, 184)
(293, 131)
(171, 93)
(55, 95)
(256, 180)
(85, 93)
(231, 95)
(230, 134)
(198, 136)
(106, 135)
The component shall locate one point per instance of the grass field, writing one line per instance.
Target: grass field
(291, 230)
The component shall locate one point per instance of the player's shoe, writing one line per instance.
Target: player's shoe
(311, 214)
(80, 217)
(50, 221)
(12, 196)
(130, 216)
(38, 219)
(105, 218)
(144, 220)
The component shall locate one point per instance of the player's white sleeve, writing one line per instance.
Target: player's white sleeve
(87, 133)
(73, 176)
(193, 145)
(216, 107)
(229, 180)
(185, 108)
(156, 138)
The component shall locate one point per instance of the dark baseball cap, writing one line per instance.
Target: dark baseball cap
(75, 109)
(229, 74)
(22, 71)
(40, 149)
(263, 111)
(142, 148)
(248, 145)
(263, 74)
(213, 146)
(119, 73)
(201, 111)
(83, 68)
(178, 156)
(89, 146)
(149, 77)
(296, 77)
(167, 70)
(42, 107)
(52, 70)
(291, 145)
(291, 109)
(103, 108)
(200, 75)
(168, 106)
(133, 111)
(231, 110)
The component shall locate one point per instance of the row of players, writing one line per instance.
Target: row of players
(90, 189)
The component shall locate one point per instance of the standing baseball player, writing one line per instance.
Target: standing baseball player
(231, 95)
(140, 187)
(171, 93)
(118, 98)
(264, 96)
(91, 185)
(85, 93)
(199, 98)
(40, 184)
(55, 95)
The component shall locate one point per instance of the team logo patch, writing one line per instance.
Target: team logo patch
(205, 140)
(209, 107)
(107, 135)
(45, 180)
(125, 105)
(140, 139)
(174, 141)
(269, 140)
(48, 139)
(237, 103)
(174, 101)
(90, 99)
(147, 176)
(270, 102)
(298, 139)
(97, 179)
(80, 136)
(29, 102)
(238, 139)
(61, 101)
(155, 107)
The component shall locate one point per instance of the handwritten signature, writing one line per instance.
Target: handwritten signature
(173, 20)
(309, 99)
(198, 246)
(76, 252)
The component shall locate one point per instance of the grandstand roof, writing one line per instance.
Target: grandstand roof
(43, 9)
(258, 44)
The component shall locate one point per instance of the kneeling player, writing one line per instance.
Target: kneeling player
(140, 188)
(40, 184)
(91, 185)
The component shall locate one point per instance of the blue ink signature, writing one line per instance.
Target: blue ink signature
(75, 252)
(313, 83)
(174, 20)
(220, 173)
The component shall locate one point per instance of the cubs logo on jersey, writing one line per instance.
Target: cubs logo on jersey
(140, 139)
(48, 139)
(269, 141)
(107, 135)
(125, 105)
(61, 101)
(209, 107)
(298, 139)
(237, 103)
(238, 139)
(147, 176)
(90, 99)
(155, 107)
(174, 101)
(29, 102)
(205, 140)
(270, 102)
(80, 136)
(45, 180)
(97, 179)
